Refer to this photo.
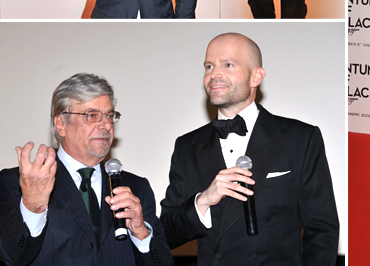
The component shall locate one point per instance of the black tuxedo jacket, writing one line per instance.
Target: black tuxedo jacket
(68, 238)
(129, 8)
(299, 196)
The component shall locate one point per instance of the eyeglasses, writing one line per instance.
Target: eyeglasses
(97, 116)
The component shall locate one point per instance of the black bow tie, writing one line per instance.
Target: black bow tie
(235, 125)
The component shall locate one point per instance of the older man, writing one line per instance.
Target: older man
(44, 216)
(291, 178)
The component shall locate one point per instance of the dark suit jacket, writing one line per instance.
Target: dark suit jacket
(301, 198)
(185, 8)
(129, 9)
(68, 238)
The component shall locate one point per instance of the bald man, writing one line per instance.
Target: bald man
(292, 186)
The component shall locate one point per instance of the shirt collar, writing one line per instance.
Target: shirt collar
(72, 164)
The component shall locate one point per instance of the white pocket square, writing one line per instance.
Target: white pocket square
(272, 175)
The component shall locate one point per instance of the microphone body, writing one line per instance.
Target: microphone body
(249, 206)
(113, 168)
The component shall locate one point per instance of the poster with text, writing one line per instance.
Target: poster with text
(359, 66)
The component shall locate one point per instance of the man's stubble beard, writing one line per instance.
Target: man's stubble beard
(229, 101)
(105, 151)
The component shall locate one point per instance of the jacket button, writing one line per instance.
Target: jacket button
(218, 256)
(254, 256)
(268, 219)
(157, 257)
(21, 240)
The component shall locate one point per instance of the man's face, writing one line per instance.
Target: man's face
(87, 142)
(227, 73)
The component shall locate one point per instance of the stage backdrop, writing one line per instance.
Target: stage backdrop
(210, 9)
(359, 66)
(157, 72)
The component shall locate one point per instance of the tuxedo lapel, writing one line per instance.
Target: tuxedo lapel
(210, 162)
(67, 193)
(209, 155)
(263, 148)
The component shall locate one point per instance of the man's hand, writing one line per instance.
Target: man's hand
(223, 185)
(133, 212)
(36, 178)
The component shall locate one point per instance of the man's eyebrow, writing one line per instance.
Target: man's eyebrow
(222, 61)
(228, 60)
(96, 110)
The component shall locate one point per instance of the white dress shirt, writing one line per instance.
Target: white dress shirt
(232, 148)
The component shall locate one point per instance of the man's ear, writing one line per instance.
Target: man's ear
(60, 125)
(257, 76)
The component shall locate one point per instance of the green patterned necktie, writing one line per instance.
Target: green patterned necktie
(90, 199)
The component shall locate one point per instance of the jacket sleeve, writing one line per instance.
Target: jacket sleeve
(17, 246)
(159, 253)
(317, 204)
(179, 217)
(185, 8)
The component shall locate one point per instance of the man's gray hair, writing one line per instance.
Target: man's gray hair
(82, 87)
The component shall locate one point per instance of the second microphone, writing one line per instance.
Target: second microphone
(113, 167)
(249, 206)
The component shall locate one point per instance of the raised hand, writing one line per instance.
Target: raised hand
(37, 177)
(224, 185)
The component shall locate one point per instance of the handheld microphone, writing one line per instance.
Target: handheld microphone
(113, 167)
(249, 206)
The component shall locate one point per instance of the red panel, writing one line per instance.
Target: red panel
(358, 199)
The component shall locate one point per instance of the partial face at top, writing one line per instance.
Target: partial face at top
(87, 142)
(230, 73)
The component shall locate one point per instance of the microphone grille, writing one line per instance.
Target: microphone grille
(244, 162)
(113, 166)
